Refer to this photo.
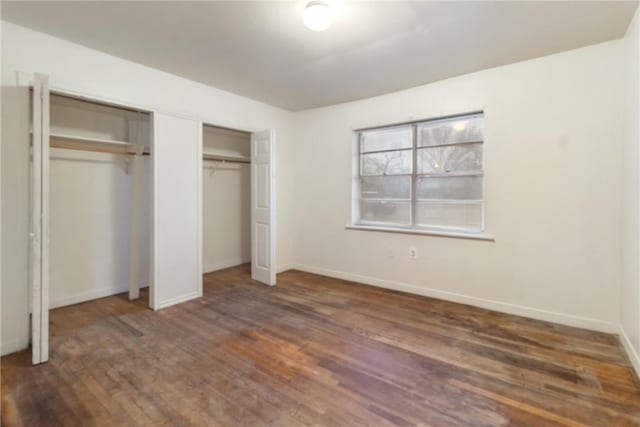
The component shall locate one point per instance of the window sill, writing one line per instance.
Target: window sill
(440, 233)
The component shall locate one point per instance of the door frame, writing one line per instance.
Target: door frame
(251, 133)
(39, 220)
(40, 309)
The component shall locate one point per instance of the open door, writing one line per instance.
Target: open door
(263, 207)
(39, 254)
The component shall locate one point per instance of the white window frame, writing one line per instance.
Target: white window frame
(357, 224)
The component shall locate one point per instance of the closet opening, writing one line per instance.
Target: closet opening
(100, 200)
(91, 205)
(226, 199)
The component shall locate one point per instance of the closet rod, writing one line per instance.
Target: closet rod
(225, 159)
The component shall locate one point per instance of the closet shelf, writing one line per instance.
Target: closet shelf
(74, 142)
(224, 158)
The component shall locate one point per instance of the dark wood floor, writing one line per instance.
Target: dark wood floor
(315, 351)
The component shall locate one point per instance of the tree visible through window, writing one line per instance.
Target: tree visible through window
(423, 175)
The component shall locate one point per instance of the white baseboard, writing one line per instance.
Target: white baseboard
(177, 300)
(12, 346)
(518, 310)
(631, 351)
(215, 267)
(222, 265)
(283, 268)
(88, 296)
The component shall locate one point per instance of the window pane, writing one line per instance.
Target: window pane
(450, 159)
(385, 187)
(450, 187)
(459, 215)
(398, 213)
(450, 131)
(388, 163)
(386, 139)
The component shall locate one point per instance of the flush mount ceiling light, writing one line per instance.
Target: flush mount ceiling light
(459, 126)
(317, 15)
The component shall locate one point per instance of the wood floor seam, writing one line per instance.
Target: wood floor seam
(315, 351)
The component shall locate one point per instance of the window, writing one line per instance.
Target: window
(423, 175)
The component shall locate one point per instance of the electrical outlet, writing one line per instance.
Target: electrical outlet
(413, 253)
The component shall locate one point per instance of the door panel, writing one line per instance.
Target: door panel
(262, 186)
(263, 212)
(39, 222)
(262, 243)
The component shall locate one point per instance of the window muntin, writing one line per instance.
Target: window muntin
(426, 174)
(459, 130)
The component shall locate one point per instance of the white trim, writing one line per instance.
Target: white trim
(71, 89)
(152, 212)
(444, 118)
(89, 296)
(177, 300)
(13, 346)
(518, 310)
(135, 221)
(285, 267)
(209, 268)
(199, 210)
(39, 221)
(26, 79)
(35, 215)
(631, 352)
(441, 233)
(46, 222)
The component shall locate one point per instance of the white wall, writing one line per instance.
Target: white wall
(553, 178)
(90, 214)
(226, 207)
(630, 295)
(15, 220)
(177, 155)
(91, 204)
(77, 68)
(226, 202)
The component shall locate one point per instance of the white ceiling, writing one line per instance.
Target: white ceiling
(263, 51)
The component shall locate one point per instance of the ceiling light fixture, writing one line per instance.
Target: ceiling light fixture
(317, 15)
(459, 126)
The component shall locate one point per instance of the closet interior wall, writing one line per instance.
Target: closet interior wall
(91, 206)
(226, 199)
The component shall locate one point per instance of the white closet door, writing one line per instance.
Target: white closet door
(39, 256)
(263, 207)
(176, 163)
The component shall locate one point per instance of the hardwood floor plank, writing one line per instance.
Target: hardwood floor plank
(315, 351)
